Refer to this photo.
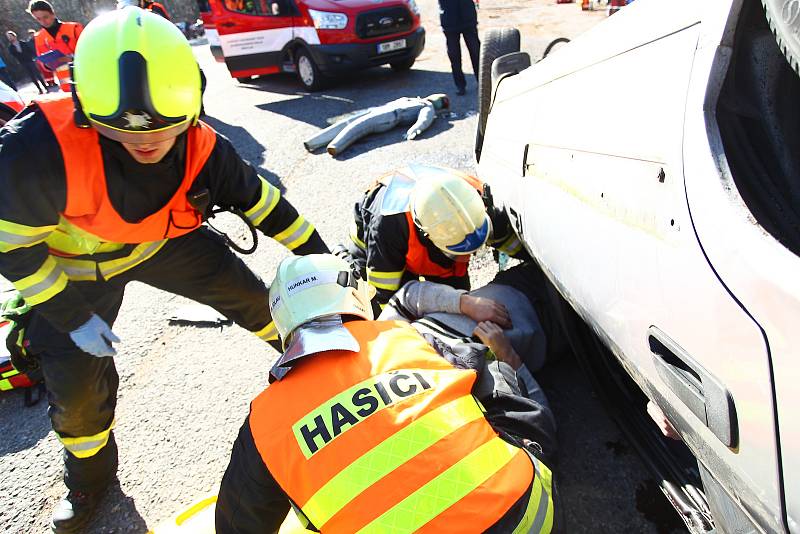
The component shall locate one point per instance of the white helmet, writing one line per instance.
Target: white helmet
(446, 205)
(314, 286)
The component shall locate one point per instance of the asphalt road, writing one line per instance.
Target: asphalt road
(184, 391)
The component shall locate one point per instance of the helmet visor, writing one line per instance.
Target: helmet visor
(142, 137)
(471, 242)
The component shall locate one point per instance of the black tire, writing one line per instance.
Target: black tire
(400, 66)
(554, 43)
(495, 43)
(307, 71)
(784, 20)
(244, 79)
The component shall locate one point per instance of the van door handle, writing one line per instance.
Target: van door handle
(698, 389)
(227, 24)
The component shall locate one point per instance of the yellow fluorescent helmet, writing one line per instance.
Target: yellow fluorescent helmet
(136, 77)
(315, 286)
(449, 209)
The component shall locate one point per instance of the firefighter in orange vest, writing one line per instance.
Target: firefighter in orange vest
(156, 8)
(425, 221)
(113, 187)
(367, 426)
(55, 35)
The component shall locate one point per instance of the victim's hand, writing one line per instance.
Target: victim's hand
(493, 337)
(481, 309)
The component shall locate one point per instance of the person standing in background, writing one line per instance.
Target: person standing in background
(46, 74)
(4, 76)
(459, 17)
(156, 8)
(24, 54)
(55, 35)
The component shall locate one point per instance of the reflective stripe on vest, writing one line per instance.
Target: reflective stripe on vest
(420, 263)
(88, 206)
(356, 435)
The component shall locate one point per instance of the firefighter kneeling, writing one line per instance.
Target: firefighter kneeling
(367, 426)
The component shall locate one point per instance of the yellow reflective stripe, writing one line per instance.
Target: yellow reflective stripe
(297, 234)
(86, 446)
(266, 203)
(5, 385)
(388, 456)
(268, 333)
(14, 235)
(354, 237)
(538, 517)
(445, 490)
(385, 279)
(79, 270)
(511, 246)
(9, 374)
(42, 285)
(139, 254)
(544, 474)
(70, 239)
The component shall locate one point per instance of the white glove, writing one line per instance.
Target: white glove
(95, 337)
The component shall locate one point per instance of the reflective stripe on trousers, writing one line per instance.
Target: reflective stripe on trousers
(86, 446)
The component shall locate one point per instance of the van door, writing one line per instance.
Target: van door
(252, 34)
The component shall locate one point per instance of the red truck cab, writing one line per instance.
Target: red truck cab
(313, 38)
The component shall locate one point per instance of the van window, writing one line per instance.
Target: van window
(253, 7)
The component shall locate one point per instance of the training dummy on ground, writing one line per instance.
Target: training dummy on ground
(116, 190)
(418, 112)
(357, 413)
(425, 221)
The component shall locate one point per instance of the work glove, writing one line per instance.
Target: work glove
(95, 337)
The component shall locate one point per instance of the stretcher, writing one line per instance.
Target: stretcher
(198, 518)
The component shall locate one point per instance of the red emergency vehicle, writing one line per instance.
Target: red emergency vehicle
(313, 38)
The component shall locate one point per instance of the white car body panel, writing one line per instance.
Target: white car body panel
(10, 97)
(601, 118)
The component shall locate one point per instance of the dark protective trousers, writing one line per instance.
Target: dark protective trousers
(454, 52)
(36, 77)
(82, 389)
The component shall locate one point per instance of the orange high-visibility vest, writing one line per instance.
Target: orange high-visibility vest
(390, 437)
(88, 206)
(65, 42)
(161, 7)
(419, 262)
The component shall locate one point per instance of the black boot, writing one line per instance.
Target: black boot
(73, 511)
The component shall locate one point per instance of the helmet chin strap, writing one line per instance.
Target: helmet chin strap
(80, 118)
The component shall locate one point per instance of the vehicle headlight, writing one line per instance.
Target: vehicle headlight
(325, 20)
(412, 4)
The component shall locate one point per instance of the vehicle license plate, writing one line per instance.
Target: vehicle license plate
(391, 46)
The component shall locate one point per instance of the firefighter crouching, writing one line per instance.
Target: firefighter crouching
(108, 188)
(425, 221)
(367, 426)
